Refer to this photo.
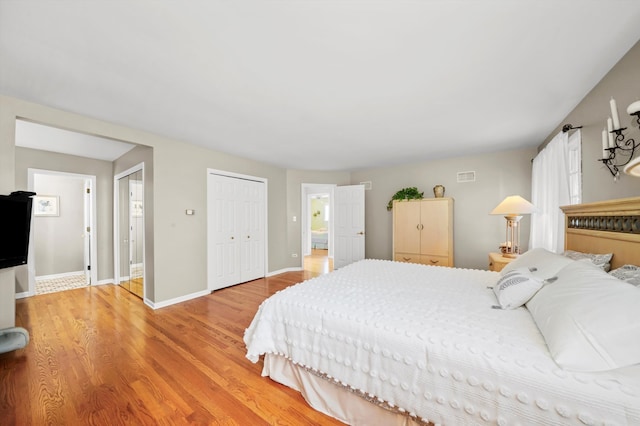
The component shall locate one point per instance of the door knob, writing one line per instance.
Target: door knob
(232, 238)
(361, 233)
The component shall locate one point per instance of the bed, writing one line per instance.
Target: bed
(388, 343)
(320, 239)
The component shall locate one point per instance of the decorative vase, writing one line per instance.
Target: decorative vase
(438, 191)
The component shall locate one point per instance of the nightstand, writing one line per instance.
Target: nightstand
(497, 261)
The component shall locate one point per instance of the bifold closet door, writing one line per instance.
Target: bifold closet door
(235, 230)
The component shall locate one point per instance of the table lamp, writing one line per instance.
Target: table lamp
(513, 207)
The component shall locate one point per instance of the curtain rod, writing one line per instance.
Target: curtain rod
(568, 127)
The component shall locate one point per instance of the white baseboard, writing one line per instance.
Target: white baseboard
(103, 282)
(23, 295)
(282, 271)
(62, 275)
(165, 303)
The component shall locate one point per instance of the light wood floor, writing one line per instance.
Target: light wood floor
(99, 356)
(318, 261)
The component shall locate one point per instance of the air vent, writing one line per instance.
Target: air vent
(367, 185)
(464, 177)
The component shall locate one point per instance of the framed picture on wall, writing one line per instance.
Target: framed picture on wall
(46, 205)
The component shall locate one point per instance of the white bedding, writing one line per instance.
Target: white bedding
(424, 340)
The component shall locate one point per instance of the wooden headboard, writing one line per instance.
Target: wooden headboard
(611, 226)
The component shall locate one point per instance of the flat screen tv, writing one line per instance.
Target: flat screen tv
(15, 225)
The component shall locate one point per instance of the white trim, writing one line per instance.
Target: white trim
(93, 219)
(265, 181)
(282, 271)
(103, 282)
(165, 303)
(23, 295)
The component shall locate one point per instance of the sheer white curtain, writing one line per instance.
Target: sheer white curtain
(555, 181)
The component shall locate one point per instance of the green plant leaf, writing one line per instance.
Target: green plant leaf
(410, 193)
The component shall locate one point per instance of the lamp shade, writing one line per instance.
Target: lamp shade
(633, 168)
(514, 205)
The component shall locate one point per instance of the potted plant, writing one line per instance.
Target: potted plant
(411, 193)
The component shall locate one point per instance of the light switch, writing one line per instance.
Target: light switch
(190, 212)
(295, 218)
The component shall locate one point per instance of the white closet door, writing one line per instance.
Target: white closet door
(235, 230)
(224, 246)
(251, 202)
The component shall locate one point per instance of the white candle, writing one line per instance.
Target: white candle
(605, 144)
(633, 108)
(614, 113)
(610, 128)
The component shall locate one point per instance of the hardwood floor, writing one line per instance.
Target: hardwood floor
(318, 261)
(99, 356)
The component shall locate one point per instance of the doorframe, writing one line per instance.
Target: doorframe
(265, 181)
(308, 189)
(92, 216)
(116, 228)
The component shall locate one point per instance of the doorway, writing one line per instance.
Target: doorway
(62, 253)
(129, 229)
(345, 222)
(317, 227)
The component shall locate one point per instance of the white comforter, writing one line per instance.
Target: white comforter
(426, 340)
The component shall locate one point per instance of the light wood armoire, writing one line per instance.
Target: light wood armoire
(423, 231)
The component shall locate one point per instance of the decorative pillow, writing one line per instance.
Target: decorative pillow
(589, 319)
(602, 261)
(516, 287)
(541, 262)
(627, 273)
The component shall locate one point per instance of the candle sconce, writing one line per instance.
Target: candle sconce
(619, 150)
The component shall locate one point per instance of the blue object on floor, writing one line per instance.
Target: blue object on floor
(13, 338)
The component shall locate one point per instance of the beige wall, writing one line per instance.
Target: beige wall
(7, 185)
(26, 158)
(179, 183)
(64, 232)
(295, 179)
(476, 233)
(622, 83)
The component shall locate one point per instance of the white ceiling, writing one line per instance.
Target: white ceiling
(327, 85)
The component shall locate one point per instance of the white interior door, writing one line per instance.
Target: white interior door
(235, 230)
(348, 224)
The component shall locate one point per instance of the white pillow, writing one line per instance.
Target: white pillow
(516, 287)
(627, 273)
(546, 263)
(589, 319)
(603, 261)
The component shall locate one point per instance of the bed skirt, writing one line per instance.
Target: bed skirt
(328, 398)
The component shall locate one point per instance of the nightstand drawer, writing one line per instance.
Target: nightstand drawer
(497, 261)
